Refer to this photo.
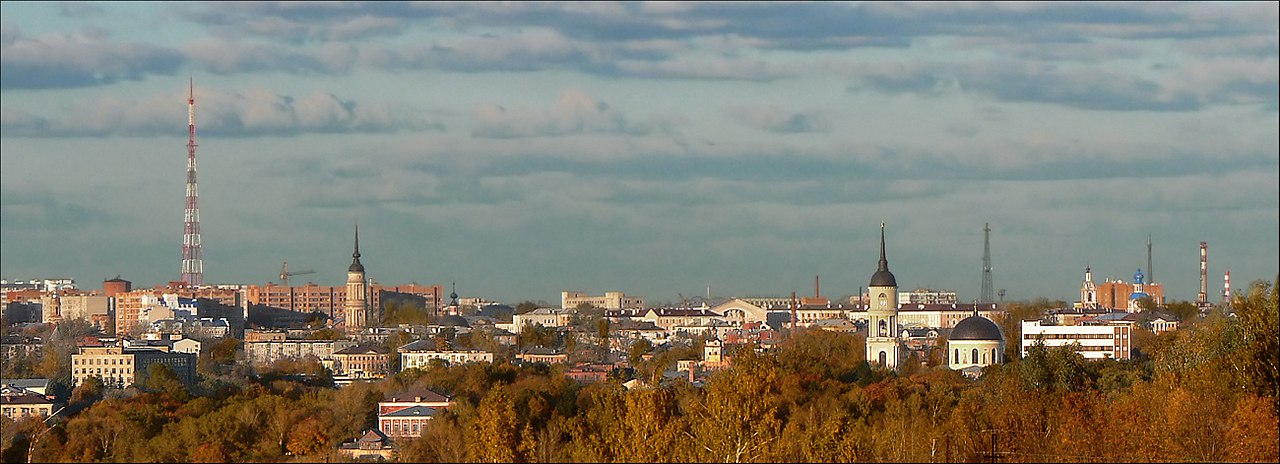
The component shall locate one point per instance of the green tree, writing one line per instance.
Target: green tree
(218, 358)
(162, 378)
(637, 350)
(1260, 327)
(1184, 310)
(525, 307)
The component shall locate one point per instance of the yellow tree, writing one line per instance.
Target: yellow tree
(739, 419)
(495, 433)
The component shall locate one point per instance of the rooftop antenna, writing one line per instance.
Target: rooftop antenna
(986, 264)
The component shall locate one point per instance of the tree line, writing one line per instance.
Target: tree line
(1206, 392)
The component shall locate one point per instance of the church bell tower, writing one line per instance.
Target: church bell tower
(883, 346)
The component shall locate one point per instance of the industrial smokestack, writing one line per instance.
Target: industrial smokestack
(1226, 288)
(1202, 299)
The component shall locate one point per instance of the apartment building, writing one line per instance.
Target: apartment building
(120, 367)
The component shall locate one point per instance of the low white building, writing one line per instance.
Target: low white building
(419, 354)
(268, 351)
(546, 317)
(1097, 341)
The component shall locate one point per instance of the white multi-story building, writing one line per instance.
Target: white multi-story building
(1097, 341)
(610, 300)
(546, 317)
(422, 359)
(927, 296)
(944, 316)
(268, 351)
(420, 353)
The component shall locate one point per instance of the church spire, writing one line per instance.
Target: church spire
(355, 256)
(882, 277)
(884, 263)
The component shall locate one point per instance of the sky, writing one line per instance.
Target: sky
(662, 149)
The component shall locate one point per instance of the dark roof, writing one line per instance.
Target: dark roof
(25, 399)
(415, 395)
(452, 320)
(412, 411)
(362, 349)
(883, 278)
(975, 328)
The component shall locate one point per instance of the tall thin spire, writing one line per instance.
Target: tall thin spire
(355, 256)
(192, 252)
(882, 277)
(884, 263)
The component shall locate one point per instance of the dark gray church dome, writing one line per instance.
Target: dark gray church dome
(976, 328)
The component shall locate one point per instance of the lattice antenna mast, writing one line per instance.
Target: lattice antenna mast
(192, 255)
(987, 287)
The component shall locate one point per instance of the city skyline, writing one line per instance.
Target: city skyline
(652, 148)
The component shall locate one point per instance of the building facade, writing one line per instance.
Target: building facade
(610, 300)
(420, 353)
(1096, 341)
(120, 367)
(927, 296)
(361, 362)
(1121, 295)
(267, 352)
(545, 317)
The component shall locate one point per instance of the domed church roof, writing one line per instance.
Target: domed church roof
(452, 320)
(975, 328)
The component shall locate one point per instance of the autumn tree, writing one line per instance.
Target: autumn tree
(494, 436)
(1260, 326)
(739, 419)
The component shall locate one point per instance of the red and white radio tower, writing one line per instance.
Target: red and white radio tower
(192, 265)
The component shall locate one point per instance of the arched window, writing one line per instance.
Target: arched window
(884, 328)
(974, 359)
(957, 356)
(984, 357)
(884, 359)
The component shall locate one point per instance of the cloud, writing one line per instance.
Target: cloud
(574, 113)
(255, 112)
(1091, 88)
(78, 60)
(777, 120)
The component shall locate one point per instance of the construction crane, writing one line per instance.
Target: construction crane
(285, 274)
